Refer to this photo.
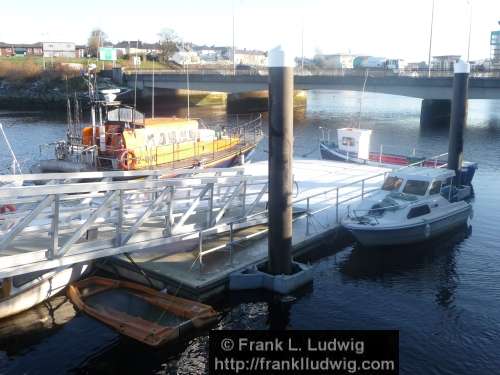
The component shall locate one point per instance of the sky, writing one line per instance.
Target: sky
(385, 28)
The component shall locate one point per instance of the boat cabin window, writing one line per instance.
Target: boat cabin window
(171, 136)
(348, 141)
(392, 183)
(435, 188)
(418, 211)
(416, 187)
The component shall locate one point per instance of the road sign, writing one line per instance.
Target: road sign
(107, 54)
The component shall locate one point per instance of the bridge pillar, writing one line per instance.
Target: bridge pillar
(435, 112)
(258, 101)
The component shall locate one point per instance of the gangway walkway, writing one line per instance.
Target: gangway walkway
(67, 218)
(76, 217)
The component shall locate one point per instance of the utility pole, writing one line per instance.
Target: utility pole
(470, 29)
(430, 41)
(187, 87)
(153, 91)
(302, 48)
(234, 50)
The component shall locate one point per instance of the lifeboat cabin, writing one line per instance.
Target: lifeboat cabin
(127, 143)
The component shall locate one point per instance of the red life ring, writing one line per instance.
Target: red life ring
(127, 160)
(7, 208)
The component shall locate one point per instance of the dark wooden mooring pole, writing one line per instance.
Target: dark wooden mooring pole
(280, 161)
(458, 117)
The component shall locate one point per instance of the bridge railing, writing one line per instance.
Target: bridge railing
(478, 72)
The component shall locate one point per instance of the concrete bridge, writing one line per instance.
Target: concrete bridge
(416, 87)
(436, 92)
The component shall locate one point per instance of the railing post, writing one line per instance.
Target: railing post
(200, 248)
(210, 205)
(244, 199)
(380, 154)
(119, 223)
(54, 230)
(169, 220)
(337, 207)
(231, 240)
(362, 189)
(307, 218)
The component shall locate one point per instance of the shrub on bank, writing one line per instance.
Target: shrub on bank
(19, 71)
(28, 70)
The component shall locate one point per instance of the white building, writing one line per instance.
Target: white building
(395, 64)
(186, 57)
(335, 61)
(446, 62)
(59, 49)
(250, 57)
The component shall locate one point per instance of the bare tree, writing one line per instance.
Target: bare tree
(168, 44)
(96, 39)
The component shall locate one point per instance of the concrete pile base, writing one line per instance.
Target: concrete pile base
(254, 278)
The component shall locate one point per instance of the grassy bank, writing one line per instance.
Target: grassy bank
(32, 67)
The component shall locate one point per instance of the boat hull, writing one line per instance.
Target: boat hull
(229, 160)
(369, 236)
(329, 152)
(38, 290)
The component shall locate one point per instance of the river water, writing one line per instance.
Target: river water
(443, 297)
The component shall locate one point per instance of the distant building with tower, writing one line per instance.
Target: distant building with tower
(495, 48)
(445, 62)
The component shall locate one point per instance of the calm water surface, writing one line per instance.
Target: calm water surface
(443, 297)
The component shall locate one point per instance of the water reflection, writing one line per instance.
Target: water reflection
(429, 264)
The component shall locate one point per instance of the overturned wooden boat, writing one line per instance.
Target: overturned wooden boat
(142, 313)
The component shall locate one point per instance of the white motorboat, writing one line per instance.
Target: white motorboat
(413, 205)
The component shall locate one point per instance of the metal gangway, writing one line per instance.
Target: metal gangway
(67, 218)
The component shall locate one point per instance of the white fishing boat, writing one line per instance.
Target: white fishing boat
(20, 293)
(413, 205)
(353, 146)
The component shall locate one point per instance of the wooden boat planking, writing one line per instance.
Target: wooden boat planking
(197, 315)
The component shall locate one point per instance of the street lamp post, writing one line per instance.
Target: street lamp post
(153, 90)
(234, 51)
(470, 29)
(430, 41)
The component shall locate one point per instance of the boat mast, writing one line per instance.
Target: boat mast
(92, 100)
(361, 99)
(15, 164)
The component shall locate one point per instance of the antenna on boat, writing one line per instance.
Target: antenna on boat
(92, 97)
(135, 83)
(361, 99)
(153, 90)
(15, 164)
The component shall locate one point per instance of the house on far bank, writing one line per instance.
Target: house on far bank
(250, 57)
(59, 49)
(213, 54)
(134, 47)
(21, 49)
(80, 51)
(335, 61)
(186, 57)
(445, 62)
(416, 66)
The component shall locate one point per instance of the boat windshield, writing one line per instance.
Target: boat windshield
(416, 187)
(392, 183)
